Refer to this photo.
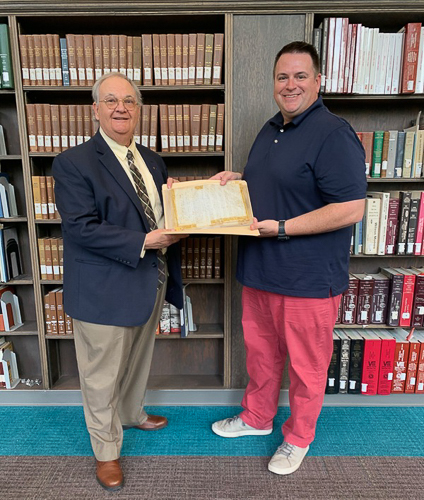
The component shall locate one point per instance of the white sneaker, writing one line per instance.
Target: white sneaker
(287, 458)
(235, 427)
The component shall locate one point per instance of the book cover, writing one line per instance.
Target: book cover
(365, 296)
(412, 222)
(380, 298)
(6, 66)
(146, 40)
(400, 360)
(377, 153)
(178, 59)
(350, 301)
(419, 386)
(405, 206)
(405, 313)
(195, 112)
(395, 295)
(392, 223)
(418, 307)
(200, 58)
(412, 365)
(355, 361)
(344, 361)
(371, 225)
(410, 57)
(385, 375)
(218, 52)
(164, 127)
(371, 363)
(332, 386)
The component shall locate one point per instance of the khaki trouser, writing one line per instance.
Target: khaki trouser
(114, 365)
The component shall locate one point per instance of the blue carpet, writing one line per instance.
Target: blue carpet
(347, 431)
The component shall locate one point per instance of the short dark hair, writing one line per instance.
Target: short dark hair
(300, 48)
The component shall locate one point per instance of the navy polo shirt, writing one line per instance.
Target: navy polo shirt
(292, 169)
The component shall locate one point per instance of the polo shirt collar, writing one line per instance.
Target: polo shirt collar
(278, 119)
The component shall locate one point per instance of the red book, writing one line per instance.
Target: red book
(400, 360)
(387, 355)
(412, 365)
(407, 297)
(371, 363)
(418, 308)
(419, 386)
(420, 224)
(410, 57)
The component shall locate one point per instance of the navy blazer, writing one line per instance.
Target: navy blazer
(104, 227)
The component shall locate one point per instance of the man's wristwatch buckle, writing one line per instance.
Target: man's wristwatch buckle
(282, 236)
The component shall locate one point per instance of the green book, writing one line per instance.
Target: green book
(377, 153)
(6, 68)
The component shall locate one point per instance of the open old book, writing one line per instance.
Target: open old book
(204, 206)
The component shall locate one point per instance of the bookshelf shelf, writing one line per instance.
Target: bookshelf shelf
(143, 88)
(12, 220)
(10, 157)
(48, 221)
(24, 279)
(373, 97)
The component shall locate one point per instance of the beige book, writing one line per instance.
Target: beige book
(60, 248)
(137, 60)
(50, 197)
(89, 59)
(43, 194)
(55, 121)
(72, 59)
(57, 59)
(195, 112)
(31, 60)
(179, 127)
(39, 115)
(55, 258)
(36, 195)
(219, 139)
(185, 59)
(153, 127)
(42, 258)
(186, 128)
(156, 60)
(172, 128)
(164, 127)
(212, 127)
(64, 126)
(200, 58)
(72, 120)
(52, 63)
(163, 59)
(97, 56)
(178, 59)
(206, 207)
(145, 125)
(48, 147)
(38, 58)
(207, 76)
(31, 127)
(79, 54)
(106, 53)
(87, 121)
(122, 54)
(170, 46)
(192, 51)
(79, 117)
(60, 313)
(371, 226)
(408, 154)
(23, 49)
(114, 53)
(217, 58)
(48, 323)
(418, 153)
(69, 325)
(130, 57)
(146, 41)
(45, 59)
(204, 127)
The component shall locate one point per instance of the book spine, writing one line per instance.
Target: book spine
(146, 41)
(410, 57)
(122, 54)
(332, 386)
(204, 127)
(412, 367)
(355, 365)
(200, 58)
(370, 367)
(6, 67)
(380, 301)
(163, 59)
(23, 49)
(172, 127)
(138, 62)
(385, 375)
(419, 386)
(399, 368)
(350, 302)
(418, 308)
(66, 78)
(164, 127)
(195, 111)
(192, 50)
(88, 59)
(170, 45)
(344, 365)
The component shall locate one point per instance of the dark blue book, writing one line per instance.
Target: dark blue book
(399, 154)
(65, 65)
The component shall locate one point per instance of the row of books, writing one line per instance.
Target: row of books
(10, 254)
(177, 321)
(183, 127)
(393, 224)
(187, 127)
(361, 60)
(9, 375)
(44, 198)
(201, 258)
(10, 311)
(376, 362)
(6, 66)
(56, 320)
(50, 253)
(393, 154)
(394, 296)
(158, 59)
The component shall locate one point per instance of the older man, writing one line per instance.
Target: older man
(118, 268)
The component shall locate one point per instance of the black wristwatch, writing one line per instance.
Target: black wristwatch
(282, 236)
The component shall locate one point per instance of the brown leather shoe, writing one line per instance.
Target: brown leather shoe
(109, 475)
(153, 423)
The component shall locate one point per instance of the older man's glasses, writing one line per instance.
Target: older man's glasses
(112, 103)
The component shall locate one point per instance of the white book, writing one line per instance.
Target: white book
(336, 54)
(391, 155)
(330, 47)
(371, 226)
(349, 58)
(383, 48)
(419, 85)
(362, 59)
(372, 41)
(397, 62)
(375, 62)
(3, 201)
(390, 60)
(343, 54)
(384, 213)
(353, 86)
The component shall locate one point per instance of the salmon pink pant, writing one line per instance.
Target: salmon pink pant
(275, 325)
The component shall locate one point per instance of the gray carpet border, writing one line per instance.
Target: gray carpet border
(215, 478)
